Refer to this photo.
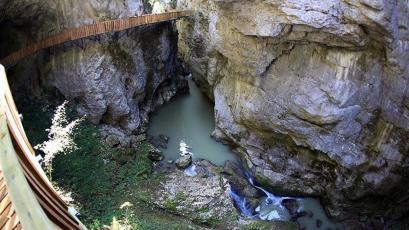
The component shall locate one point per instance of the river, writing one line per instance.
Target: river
(190, 118)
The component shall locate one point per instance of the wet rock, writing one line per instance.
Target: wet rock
(239, 182)
(159, 142)
(164, 138)
(318, 223)
(136, 140)
(155, 154)
(297, 215)
(291, 205)
(184, 161)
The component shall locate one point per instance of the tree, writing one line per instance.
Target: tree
(61, 137)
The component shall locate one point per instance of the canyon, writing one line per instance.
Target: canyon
(313, 92)
(311, 95)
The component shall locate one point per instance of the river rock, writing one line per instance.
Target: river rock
(164, 138)
(239, 182)
(318, 223)
(291, 205)
(155, 154)
(313, 91)
(184, 161)
(159, 142)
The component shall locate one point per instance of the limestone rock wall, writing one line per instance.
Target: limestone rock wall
(315, 92)
(115, 79)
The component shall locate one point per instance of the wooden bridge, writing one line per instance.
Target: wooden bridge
(91, 30)
(27, 198)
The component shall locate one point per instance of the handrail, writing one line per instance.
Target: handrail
(29, 212)
(92, 30)
(36, 203)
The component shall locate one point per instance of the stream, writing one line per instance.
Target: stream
(189, 119)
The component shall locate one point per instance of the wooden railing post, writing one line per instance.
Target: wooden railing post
(28, 209)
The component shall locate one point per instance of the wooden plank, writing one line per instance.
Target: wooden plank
(91, 30)
(27, 207)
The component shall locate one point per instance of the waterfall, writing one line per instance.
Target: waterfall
(271, 198)
(271, 208)
(241, 204)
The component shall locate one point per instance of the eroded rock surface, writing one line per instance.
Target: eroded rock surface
(315, 92)
(205, 198)
(115, 79)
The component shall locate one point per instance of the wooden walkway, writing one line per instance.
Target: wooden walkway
(91, 30)
(27, 198)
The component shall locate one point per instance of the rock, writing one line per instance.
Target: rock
(318, 223)
(297, 215)
(252, 224)
(291, 205)
(136, 140)
(159, 142)
(155, 154)
(238, 181)
(164, 138)
(184, 161)
(204, 199)
(313, 102)
(111, 78)
(112, 141)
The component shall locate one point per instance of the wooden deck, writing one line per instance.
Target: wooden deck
(8, 215)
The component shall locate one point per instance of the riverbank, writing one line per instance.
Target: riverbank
(101, 179)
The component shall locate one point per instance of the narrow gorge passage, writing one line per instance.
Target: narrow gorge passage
(297, 115)
(189, 118)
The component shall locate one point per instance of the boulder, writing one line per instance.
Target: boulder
(164, 138)
(291, 205)
(184, 161)
(155, 154)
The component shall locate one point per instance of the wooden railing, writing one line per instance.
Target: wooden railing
(91, 30)
(27, 197)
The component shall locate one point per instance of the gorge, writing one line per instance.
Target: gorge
(308, 97)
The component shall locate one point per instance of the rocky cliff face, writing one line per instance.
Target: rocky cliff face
(315, 92)
(116, 79)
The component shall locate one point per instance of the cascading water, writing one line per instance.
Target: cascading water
(241, 204)
(270, 207)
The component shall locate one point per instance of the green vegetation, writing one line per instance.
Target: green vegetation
(173, 3)
(268, 225)
(102, 179)
(171, 204)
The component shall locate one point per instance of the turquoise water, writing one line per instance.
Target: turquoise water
(189, 118)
